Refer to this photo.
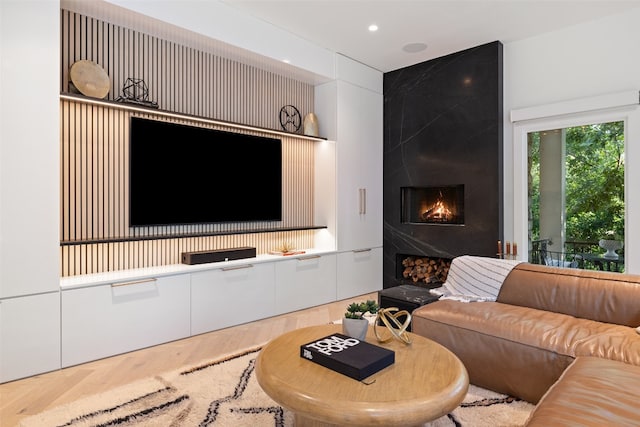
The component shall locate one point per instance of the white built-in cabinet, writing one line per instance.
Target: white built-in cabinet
(352, 110)
(359, 167)
(29, 335)
(228, 296)
(305, 281)
(103, 320)
(29, 189)
(358, 272)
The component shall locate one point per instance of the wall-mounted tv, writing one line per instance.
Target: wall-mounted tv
(183, 174)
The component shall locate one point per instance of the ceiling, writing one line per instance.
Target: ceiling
(444, 26)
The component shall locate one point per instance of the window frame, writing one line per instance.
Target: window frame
(586, 112)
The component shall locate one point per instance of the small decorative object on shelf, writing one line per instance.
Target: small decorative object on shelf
(89, 79)
(509, 253)
(135, 91)
(290, 118)
(398, 330)
(285, 249)
(354, 323)
(310, 125)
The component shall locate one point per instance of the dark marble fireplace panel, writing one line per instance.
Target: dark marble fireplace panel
(443, 127)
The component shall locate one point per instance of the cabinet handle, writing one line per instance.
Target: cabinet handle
(362, 201)
(134, 282)
(357, 251)
(237, 267)
(307, 258)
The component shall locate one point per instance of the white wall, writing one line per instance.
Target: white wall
(581, 61)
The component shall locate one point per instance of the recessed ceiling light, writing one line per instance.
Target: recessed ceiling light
(373, 27)
(414, 47)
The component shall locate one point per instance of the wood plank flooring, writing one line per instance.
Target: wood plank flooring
(22, 398)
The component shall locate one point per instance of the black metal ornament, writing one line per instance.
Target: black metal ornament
(135, 91)
(290, 118)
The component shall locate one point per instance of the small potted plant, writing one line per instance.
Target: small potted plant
(355, 324)
(611, 243)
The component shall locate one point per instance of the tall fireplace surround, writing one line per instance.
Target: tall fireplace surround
(443, 129)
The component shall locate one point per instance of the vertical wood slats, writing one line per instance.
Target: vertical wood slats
(94, 144)
(180, 78)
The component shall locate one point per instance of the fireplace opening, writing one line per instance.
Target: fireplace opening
(425, 271)
(433, 205)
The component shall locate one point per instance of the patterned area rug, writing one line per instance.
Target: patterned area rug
(225, 393)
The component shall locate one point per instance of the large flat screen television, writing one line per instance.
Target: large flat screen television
(183, 174)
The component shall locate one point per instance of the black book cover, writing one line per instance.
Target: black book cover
(348, 356)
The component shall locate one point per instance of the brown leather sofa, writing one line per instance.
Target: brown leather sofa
(543, 319)
(591, 392)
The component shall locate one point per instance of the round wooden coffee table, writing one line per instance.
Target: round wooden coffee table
(426, 382)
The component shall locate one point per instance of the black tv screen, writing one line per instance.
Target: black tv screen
(183, 174)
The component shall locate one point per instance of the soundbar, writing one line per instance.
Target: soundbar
(203, 257)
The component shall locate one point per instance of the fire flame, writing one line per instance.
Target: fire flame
(438, 212)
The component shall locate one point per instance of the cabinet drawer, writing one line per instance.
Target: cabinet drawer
(359, 272)
(29, 335)
(105, 320)
(305, 282)
(231, 296)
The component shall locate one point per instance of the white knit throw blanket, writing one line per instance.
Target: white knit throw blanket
(474, 278)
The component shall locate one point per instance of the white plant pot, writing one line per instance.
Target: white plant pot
(355, 328)
(611, 246)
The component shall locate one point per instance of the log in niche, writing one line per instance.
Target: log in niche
(426, 270)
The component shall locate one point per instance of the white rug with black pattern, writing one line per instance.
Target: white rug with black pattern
(225, 393)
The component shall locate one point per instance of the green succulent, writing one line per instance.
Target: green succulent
(356, 310)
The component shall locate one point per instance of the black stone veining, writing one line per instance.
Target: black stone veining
(442, 127)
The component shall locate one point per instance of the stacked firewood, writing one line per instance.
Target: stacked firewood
(426, 269)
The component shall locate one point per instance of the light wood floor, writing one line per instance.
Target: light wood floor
(22, 398)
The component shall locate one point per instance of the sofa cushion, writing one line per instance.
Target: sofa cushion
(591, 392)
(597, 295)
(517, 350)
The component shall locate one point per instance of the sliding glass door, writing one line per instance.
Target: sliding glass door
(574, 167)
(575, 189)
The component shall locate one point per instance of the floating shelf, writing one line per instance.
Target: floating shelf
(166, 113)
(102, 240)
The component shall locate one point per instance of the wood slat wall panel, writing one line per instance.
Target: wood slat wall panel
(94, 144)
(180, 78)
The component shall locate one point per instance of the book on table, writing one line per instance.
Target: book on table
(349, 356)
